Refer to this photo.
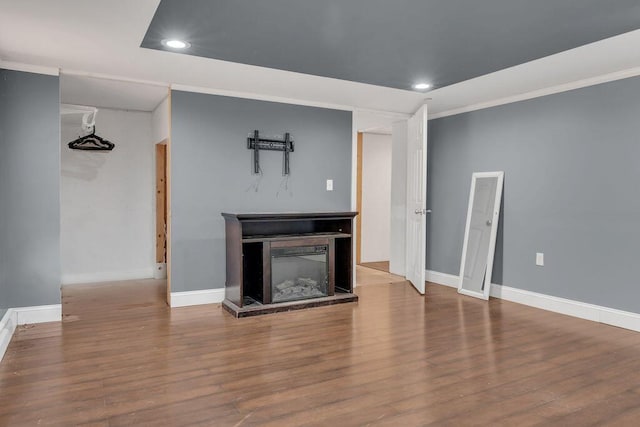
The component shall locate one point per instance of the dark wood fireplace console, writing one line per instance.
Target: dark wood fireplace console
(314, 249)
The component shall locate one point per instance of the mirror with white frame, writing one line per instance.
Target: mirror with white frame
(480, 233)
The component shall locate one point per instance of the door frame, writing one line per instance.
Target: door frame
(163, 160)
(492, 237)
(167, 143)
(364, 120)
(161, 202)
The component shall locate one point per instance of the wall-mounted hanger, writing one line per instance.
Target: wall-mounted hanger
(91, 142)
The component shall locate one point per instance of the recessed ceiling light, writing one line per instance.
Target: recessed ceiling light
(176, 44)
(421, 86)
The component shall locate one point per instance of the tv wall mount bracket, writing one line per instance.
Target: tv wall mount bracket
(256, 144)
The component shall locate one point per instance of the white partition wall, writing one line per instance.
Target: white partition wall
(107, 201)
(398, 199)
(376, 197)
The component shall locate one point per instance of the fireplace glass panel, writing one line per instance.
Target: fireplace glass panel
(300, 272)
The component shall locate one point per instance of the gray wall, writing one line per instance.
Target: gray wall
(572, 190)
(29, 189)
(211, 172)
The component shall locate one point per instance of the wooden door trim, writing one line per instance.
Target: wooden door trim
(161, 204)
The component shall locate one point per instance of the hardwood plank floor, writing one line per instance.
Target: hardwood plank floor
(378, 265)
(121, 357)
(369, 276)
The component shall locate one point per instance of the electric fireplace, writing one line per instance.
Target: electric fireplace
(299, 272)
(287, 261)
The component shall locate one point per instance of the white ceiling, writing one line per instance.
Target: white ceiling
(102, 38)
(376, 122)
(104, 93)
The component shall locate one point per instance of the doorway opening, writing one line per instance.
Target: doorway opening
(373, 197)
(374, 200)
(391, 195)
(110, 202)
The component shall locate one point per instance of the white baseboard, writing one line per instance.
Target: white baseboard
(23, 316)
(38, 314)
(7, 328)
(206, 296)
(109, 276)
(596, 313)
(442, 278)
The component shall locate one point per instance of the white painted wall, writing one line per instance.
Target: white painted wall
(397, 258)
(160, 129)
(160, 122)
(107, 200)
(376, 197)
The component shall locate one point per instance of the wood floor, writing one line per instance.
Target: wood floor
(369, 276)
(378, 265)
(398, 359)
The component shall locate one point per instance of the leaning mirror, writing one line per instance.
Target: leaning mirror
(480, 232)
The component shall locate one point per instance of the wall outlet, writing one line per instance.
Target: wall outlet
(540, 259)
(329, 185)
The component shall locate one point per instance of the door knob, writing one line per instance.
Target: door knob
(418, 211)
(489, 222)
(428, 211)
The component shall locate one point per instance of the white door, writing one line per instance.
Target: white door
(416, 199)
(480, 233)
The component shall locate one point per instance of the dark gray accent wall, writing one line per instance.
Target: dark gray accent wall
(211, 172)
(571, 190)
(29, 189)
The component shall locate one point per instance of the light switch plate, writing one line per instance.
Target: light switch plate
(540, 259)
(329, 185)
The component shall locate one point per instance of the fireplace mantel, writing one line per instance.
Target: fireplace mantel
(320, 243)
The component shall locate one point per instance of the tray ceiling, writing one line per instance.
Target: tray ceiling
(388, 43)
